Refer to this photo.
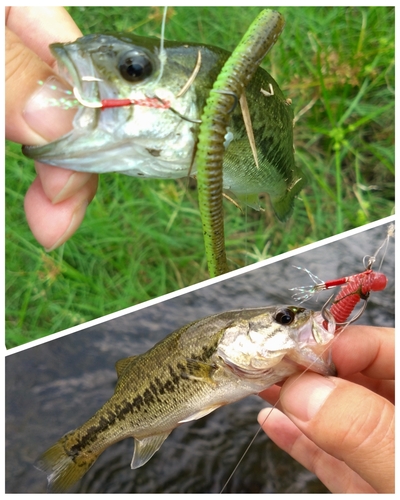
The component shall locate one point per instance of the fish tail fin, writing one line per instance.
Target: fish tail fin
(63, 465)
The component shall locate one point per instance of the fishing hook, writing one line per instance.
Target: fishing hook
(232, 94)
(80, 99)
(327, 316)
(191, 120)
(112, 103)
(371, 259)
(84, 102)
(192, 77)
(325, 312)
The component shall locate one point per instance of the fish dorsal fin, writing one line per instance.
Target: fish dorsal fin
(121, 364)
(145, 449)
(201, 413)
(198, 370)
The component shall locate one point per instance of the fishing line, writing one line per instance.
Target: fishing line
(385, 245)
(266, 418)
(246, 450)
(163, 54)
(276, 404)
(341, 329)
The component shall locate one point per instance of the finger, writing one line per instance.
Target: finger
(385, 388)
(60, 184)
(335, 474)
(38, 27)
(347, 421)
(23, 71)
(52, 224)
(29, 119)
(271, 395)
(365, 349)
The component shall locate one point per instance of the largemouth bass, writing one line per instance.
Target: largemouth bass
(192, 372)
(157, 135)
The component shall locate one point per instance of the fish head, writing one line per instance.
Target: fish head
(148, 138)
(272, 343)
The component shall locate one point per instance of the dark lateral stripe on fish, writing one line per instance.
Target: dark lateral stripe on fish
(146, 399)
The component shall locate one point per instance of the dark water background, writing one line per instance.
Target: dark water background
(55, 387)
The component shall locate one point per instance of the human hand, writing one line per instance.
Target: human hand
(342, 429)
(56, 202)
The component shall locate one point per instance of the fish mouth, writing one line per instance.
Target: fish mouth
(315, 338)
(78, 71)
(77, 68)
(275, 351)
(74, 70)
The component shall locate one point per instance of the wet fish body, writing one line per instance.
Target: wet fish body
(144, 141)
(195, 370)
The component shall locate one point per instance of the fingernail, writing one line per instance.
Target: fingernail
(75, 182)
(305, 396)
(76, 219)
(49, 111)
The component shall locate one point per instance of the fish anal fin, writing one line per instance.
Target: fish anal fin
(121, 364)
(145, 449)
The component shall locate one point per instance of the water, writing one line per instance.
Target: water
(53, 388)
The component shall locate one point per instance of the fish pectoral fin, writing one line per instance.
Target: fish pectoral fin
(199, 370)
(145, 449)
(283, 206)
(200, 414)
(121, 364)
(251, 200)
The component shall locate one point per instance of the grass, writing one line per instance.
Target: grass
(142, 239)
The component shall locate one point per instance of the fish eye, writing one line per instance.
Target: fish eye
(135, 66)
(285, 316)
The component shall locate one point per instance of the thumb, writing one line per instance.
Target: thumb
(347, 421)
(29, 117)
(55, 203)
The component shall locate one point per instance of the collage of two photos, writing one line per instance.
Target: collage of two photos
(169, 282)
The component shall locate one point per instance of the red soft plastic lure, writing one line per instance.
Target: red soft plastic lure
(357, 287)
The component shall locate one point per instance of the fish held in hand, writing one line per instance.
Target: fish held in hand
(195, 370)
(154, 134)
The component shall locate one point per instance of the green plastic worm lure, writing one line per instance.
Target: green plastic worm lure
(230, 85)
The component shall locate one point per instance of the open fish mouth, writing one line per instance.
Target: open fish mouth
(78, 71)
